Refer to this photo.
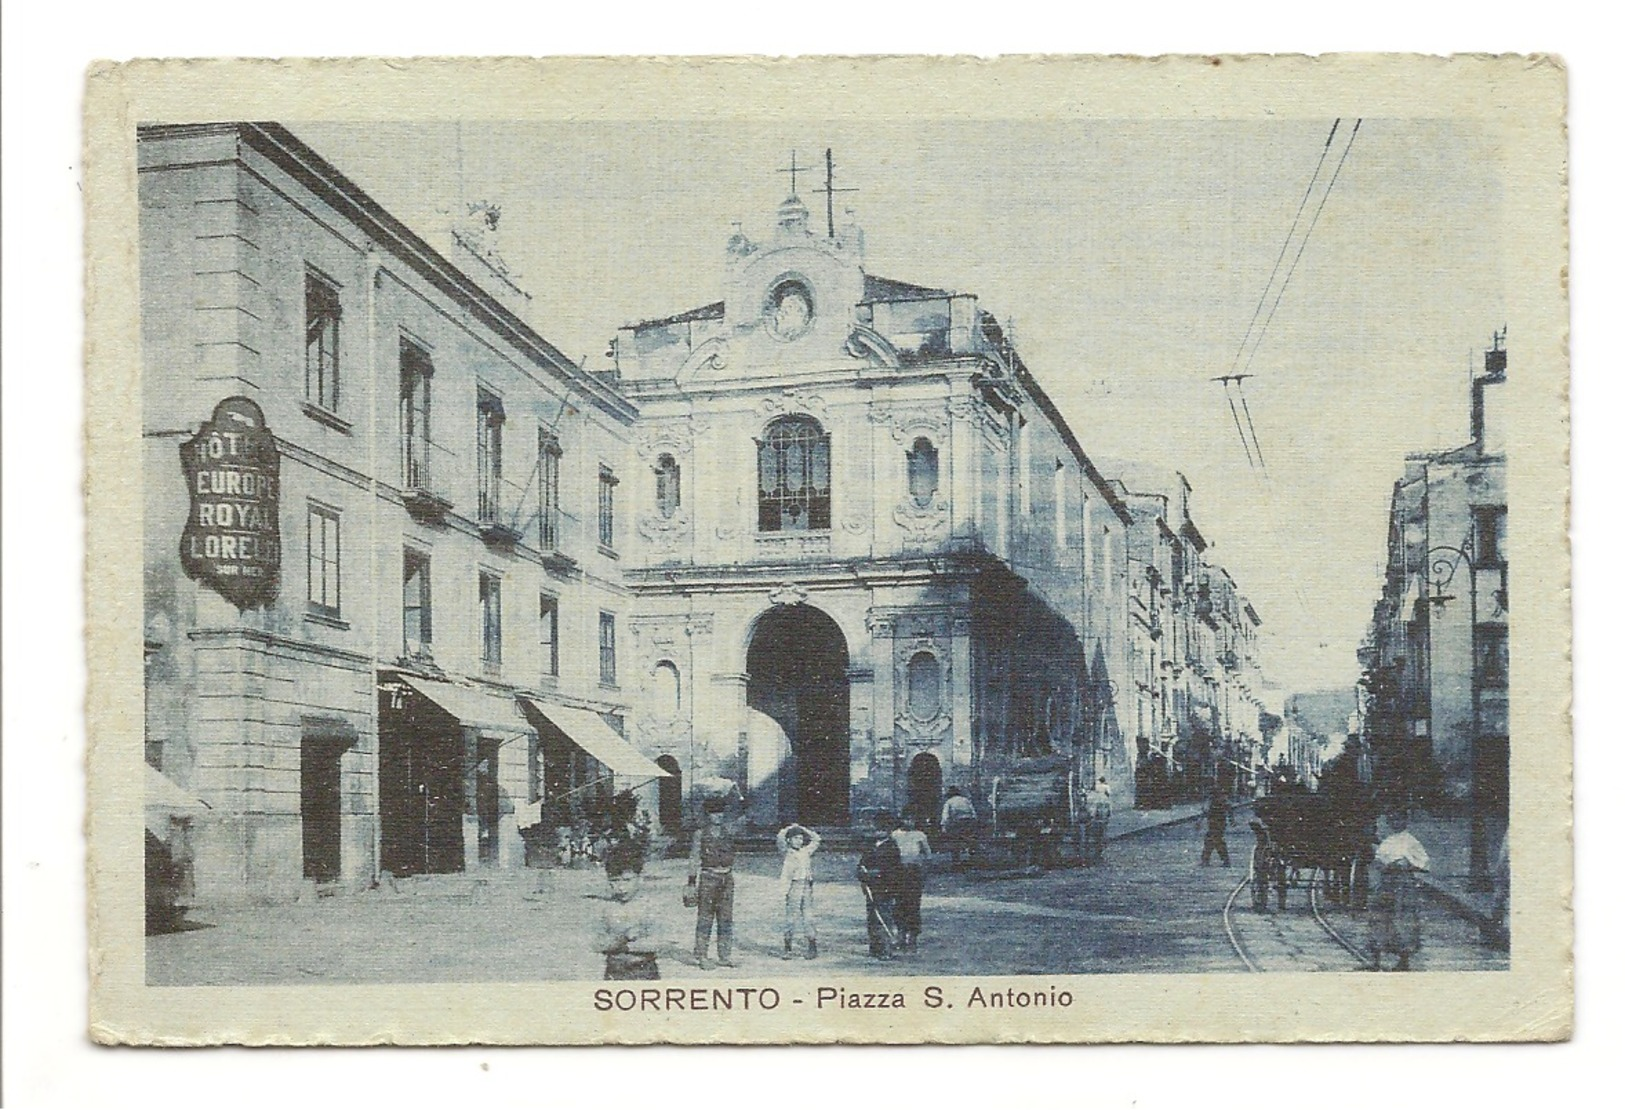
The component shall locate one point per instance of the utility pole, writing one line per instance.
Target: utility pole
(829, 190)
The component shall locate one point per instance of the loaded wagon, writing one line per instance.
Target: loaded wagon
(1034, 807)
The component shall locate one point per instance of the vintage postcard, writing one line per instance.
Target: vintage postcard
(828, 550)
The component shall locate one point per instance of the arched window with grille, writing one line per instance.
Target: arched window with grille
(922, 472)
(668, 486)
(793, 478)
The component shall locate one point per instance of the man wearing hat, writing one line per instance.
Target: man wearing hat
(710, 871)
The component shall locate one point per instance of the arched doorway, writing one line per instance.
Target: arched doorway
(671, 796)
(797, 664)
(924, 790)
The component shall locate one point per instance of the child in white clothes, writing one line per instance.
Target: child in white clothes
(798, 843)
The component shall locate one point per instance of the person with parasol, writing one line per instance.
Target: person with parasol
(1396, 918)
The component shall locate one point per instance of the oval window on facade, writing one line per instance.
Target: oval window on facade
(924, 685)
(922, 472)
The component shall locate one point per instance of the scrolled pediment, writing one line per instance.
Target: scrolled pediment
(868, 345)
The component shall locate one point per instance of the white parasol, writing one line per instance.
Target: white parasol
(1402, 847)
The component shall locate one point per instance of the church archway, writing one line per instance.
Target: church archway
(797, 663)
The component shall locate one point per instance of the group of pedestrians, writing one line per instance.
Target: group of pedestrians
(891, 874)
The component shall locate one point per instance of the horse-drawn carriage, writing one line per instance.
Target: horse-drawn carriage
(1309, 838)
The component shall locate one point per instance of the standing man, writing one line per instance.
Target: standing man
(1218, 819)
(879, 874)
(958, 823)
(913, 850)
(1097, 804)
(797, 843)
(710, 869)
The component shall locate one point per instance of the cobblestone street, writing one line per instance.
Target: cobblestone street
(1151, 908)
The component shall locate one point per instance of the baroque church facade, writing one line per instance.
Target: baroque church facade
(871, 558)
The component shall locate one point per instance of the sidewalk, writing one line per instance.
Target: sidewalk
(1132, 821)
(1448, 841)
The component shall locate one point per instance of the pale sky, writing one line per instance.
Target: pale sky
(1130, 256)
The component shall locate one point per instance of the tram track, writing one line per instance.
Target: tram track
(1287, 942)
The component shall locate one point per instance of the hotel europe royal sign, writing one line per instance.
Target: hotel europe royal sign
(232, 541)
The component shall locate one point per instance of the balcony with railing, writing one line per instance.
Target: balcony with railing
(423, 499)
(498, 508)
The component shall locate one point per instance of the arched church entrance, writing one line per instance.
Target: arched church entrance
(797, 664)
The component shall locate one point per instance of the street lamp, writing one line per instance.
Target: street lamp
(1443, 562)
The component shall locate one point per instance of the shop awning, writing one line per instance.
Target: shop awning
(479, 709)
(589, 733)
(165, 798)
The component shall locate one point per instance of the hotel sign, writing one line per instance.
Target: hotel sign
(232, 541)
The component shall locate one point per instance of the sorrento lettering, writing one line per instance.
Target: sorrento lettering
(685, 999)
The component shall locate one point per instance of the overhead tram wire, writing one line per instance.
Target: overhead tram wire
(1250, 464)
(1285, 243)
(1251, 446)
(1269, 481)
(1257, 449)
(1304, 243)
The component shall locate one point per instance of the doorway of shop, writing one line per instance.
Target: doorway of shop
(320, 806)
(421, 787)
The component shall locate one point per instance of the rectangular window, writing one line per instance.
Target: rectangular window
(322, 560)
(321, 342)
(606, 648)
(488, 457)
(490, 620)
(417, 371)
(606, 507)
(550, 636)
(1490, 535)
(415, 609)
(548, 457)
(1490, 646)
